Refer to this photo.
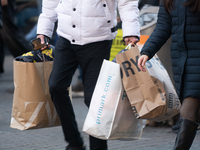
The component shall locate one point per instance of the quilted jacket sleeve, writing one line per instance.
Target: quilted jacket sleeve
(47, 18)
(160, 34)
(129, 14)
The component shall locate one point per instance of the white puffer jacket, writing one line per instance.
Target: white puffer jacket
(86, 21)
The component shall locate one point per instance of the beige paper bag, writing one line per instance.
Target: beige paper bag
(32, 105)
(146, 93)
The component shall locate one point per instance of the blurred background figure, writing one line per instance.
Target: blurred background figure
(19, 27)
(148, 2)
(1, 21)
(26, 10)
(1, 56)
(27, 13)
(11, 35)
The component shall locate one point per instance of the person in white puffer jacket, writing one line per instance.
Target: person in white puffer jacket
(86, 29)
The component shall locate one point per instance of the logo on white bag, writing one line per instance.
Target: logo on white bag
(38, 109)
(173, 101)
(128, 68)
(154, 61)
(171, 97)
(103, 98)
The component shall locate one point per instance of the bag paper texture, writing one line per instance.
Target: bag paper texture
(32, 105)
(110, 115)
(151, 93)
(157, 70)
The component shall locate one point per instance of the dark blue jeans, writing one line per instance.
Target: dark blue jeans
(66, 60)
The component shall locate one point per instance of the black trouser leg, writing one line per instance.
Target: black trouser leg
(67, 58)
(65, 64)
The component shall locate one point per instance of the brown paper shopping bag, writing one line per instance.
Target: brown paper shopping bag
(32, 105)
(146, 93)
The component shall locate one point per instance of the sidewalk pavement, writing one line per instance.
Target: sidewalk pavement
(153, 138)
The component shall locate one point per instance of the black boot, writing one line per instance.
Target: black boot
(185, 135)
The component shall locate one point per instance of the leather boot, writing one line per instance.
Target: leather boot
(185, 135)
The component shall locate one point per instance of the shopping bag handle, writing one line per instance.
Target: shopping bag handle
(130, 45)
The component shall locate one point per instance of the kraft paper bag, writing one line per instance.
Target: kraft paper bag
(32, 105)
(110, 116)
(157, 70)
(145, 92)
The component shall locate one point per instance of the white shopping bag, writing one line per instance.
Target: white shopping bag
(110, 115)
(157, 70)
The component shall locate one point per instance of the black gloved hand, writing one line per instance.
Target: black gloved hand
(46, 40)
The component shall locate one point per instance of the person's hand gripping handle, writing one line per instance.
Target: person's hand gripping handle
(141, 62)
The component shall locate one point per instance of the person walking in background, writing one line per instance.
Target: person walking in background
(149, 2)
(26, 10)
(10, 34)
(1, 21)
(85, 29)
(181, 20)
(1, 50)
